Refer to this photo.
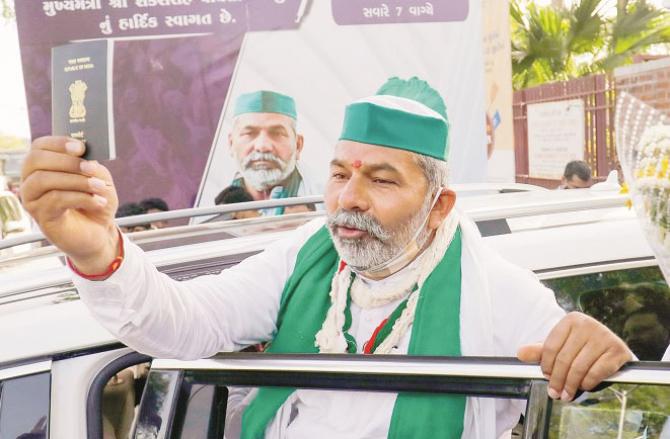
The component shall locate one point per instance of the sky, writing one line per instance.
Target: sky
(13, 112)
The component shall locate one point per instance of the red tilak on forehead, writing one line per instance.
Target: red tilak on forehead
(357, 164)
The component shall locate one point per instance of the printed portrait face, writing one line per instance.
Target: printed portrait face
(266, 147)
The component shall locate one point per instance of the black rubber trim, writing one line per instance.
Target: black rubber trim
(398, 359)
(88, 351)
(594, 264)
(482, 387)
(94, 396)
(63, 355)
(217, 416)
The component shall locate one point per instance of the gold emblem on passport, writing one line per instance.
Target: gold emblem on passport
(78, 95)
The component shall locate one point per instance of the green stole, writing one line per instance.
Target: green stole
(435, 331)
(289, 189)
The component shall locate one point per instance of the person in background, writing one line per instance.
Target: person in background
(155, 205)
(577, 175)
(236, 194)
(132, 209)
(15, 187)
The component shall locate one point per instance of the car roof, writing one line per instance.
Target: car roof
(46, 331)
(538, 234)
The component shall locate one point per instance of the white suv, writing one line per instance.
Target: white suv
(63, 376)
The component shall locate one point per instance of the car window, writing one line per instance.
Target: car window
(155, 407)
(198, 412)
(24, 407)
(120, 397)
(634, 303)
(208, 410)
(204, 411)
(626, 411)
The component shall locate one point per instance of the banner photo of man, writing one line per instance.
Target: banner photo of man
(335, 57)
(266, 146)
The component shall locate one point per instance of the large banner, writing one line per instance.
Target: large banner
(499, 94)
(181, 67)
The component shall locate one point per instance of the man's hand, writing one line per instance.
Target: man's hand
(579, 353)
(72, 200)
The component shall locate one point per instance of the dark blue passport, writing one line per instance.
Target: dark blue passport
(81, 96)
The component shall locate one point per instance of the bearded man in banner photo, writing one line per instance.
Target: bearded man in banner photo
(393, 269)
(266, 145)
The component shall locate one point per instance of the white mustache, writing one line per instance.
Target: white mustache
(262, 156)
(359, 221)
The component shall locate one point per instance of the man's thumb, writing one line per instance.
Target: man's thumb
(530, 353)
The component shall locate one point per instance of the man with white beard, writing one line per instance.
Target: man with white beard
(393, 269)
(266, 145)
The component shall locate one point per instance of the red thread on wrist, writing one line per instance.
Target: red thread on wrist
(111, 268)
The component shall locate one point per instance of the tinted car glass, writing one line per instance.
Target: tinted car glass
(204, 412)
(24, 407)
(634, 303)
(120, 397)
(155, 406)
(627, 411)
(201, 412)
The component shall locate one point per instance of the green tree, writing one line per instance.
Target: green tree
(547, 42)
(637, 26)
(10, 143)
(6, 9)
(557, 42)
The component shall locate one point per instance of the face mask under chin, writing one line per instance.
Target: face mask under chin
(372, 257)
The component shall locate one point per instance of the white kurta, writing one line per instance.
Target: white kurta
(198, 318)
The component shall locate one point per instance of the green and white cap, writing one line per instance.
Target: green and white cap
(404, 114)
(265, 101)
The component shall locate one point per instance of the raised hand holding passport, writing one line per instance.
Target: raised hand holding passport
(72, 200)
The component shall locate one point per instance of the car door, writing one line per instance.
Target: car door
(25, 400)
(197, 398)
(188, 398)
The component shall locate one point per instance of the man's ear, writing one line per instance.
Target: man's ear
(443, 206)
(299, 143)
